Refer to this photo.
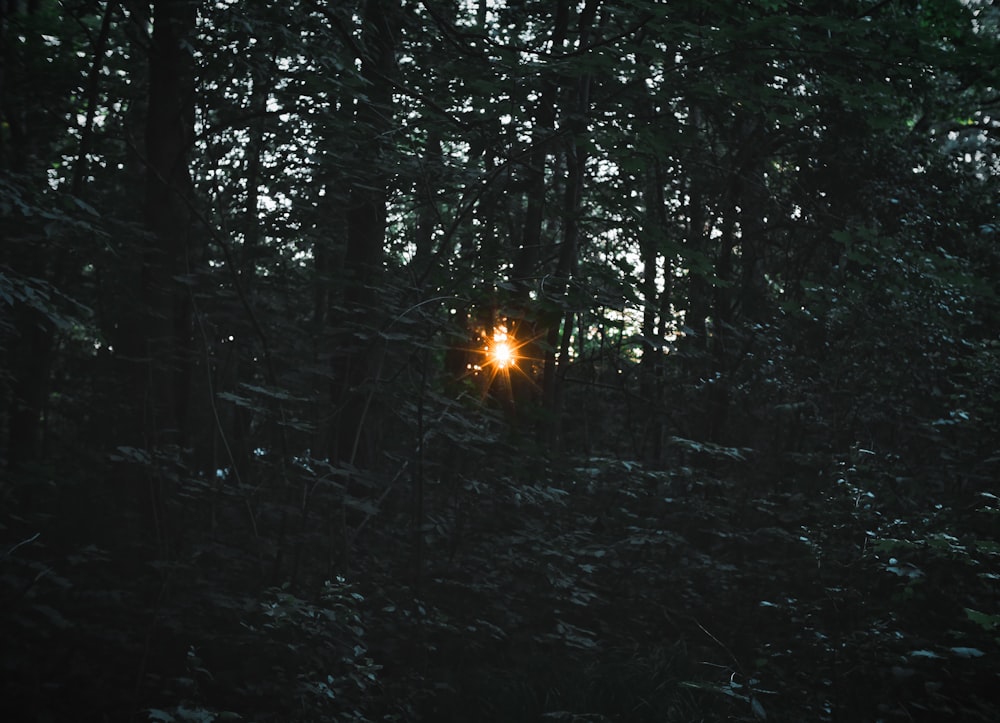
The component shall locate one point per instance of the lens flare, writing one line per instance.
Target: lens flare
(502, 354)
(498, 356)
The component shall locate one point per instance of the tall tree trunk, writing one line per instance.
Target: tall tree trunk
(242, 369)
(47, 257)
(30, 349)
(656, 308)
(698, 305)
(91, 97)
(527, 326)
(356, 369)
(153, 335)
(753, 204)
(427, 212)
(167, 336)
(560, 329)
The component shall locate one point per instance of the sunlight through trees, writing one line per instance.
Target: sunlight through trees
(494, 360)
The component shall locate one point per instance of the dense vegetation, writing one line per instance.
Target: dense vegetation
(262, 460)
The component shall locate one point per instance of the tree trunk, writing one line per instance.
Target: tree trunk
(151, 332)
(356, 369)
(30, 352)
(166, 258)
(527, 326)
(656, 310)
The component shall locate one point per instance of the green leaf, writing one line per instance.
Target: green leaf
(984, 620)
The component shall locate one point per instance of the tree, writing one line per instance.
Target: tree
(254, 255)
(36, 215)
(366, 228)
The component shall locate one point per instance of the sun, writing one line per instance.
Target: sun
(501, 358)
(503, 354)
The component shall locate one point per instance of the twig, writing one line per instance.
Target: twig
(22, 543)
(720, 644)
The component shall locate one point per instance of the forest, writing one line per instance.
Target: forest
(499, 361)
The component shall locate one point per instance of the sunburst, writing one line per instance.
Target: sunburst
(504, 355)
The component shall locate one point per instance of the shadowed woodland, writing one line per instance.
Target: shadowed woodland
(499, 360)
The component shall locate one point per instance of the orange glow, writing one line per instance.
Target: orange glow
(502, 354)
(498, 355)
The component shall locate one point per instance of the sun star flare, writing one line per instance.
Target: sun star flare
(503, 354)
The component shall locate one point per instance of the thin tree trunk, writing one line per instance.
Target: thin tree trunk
(656, 309)
(91, 96)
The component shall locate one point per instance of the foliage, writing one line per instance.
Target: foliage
(260, 465)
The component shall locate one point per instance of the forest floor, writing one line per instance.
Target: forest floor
(601, 592)
(637, 595)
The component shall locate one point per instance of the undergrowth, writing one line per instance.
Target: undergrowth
(598, 590)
